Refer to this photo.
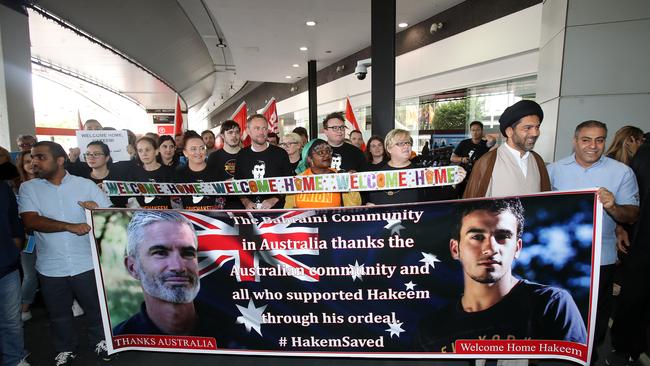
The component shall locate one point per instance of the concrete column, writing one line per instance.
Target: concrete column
(16, 98)
(593, 64)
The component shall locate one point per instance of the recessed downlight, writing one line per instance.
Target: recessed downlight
(295, 65)
(403, 25)
(310, 23)
(288, 77)
(303, 48)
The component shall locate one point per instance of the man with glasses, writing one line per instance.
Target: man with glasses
(352, 159)
(275, 159)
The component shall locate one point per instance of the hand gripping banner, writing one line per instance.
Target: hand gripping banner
(490, 278)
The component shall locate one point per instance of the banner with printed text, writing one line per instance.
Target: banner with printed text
(490, 278)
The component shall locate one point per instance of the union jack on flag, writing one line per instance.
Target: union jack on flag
(220, 242)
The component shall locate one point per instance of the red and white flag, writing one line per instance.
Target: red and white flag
(240, 116)
(271, 114)
(178, 118)
(349, 116)
(220, 242)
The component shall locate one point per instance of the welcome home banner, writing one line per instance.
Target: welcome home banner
(384, 281)
(341, 182)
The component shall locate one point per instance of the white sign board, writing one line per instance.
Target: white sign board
(117, 142)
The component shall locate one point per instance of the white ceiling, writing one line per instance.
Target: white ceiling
(176, 40)
(264, 36)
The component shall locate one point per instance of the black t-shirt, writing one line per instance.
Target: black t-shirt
(351, 158)
(223, 163)
(199, 202)
(408, 195)
(276, 164)
(471, 151)
(164, 174)
(528, 311)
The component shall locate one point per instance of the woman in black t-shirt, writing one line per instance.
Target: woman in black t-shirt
(148, 169)
(375, 153)
(98, 158)
(197, 170)
(167, 155)
(399, 145)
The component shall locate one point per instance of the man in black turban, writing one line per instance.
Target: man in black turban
(514, 168)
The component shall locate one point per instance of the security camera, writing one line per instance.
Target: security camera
(362, 68)
(435, 27)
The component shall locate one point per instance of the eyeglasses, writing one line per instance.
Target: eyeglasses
(197, 149)
(323, 151)
(285, 144)
(403, 143)
(93, 155)
(337, 128)
(26, 144)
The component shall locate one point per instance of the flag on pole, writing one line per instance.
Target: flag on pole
(349, 116)
(271, 114)
(81, 125)
(178, 117)
(240, 115)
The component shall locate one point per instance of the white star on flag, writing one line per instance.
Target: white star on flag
(394, 226)
(357, 270)
(251, 317)
(410, 286)
(395, 329)
(429, 259)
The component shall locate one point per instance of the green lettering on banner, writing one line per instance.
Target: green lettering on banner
(319, 185)
(112, 188)
(391, 179)
(450, 175)
(219, 187)
(262, 185)
(197, 187)
(149, 188)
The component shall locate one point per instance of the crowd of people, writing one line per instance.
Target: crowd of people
(54, 188)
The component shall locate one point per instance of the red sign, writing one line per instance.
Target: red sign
(165, 130)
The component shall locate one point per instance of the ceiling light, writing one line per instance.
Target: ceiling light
(403, 25)
(221, 44)
(295, 65)
(288, 77)
(303, 48)
(310, 23)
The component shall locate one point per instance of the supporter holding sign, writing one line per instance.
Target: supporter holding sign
(197, 170)
(148, 169)
(261, 160)
(398, 144)
(317, 157)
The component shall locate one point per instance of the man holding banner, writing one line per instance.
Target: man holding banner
(495, 304)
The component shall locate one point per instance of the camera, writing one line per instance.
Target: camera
(362, 68)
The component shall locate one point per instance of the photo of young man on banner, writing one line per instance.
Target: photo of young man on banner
(499, 278)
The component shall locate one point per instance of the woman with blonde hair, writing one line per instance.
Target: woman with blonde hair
(626, 142)
(292, 144)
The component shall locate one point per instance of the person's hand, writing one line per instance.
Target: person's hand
(73, 154)
(269, 203)
(461, 173)
(249, 205)
(622, 239)
(606, 198)
(79, 229)
(88, 205)
(370, 204)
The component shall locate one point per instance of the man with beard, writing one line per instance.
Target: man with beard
(513, 168)
(161, 253)
(261, 160)
(209, 140)
(494, 303)
(351, 158)
(619, 193)
(53, 207)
